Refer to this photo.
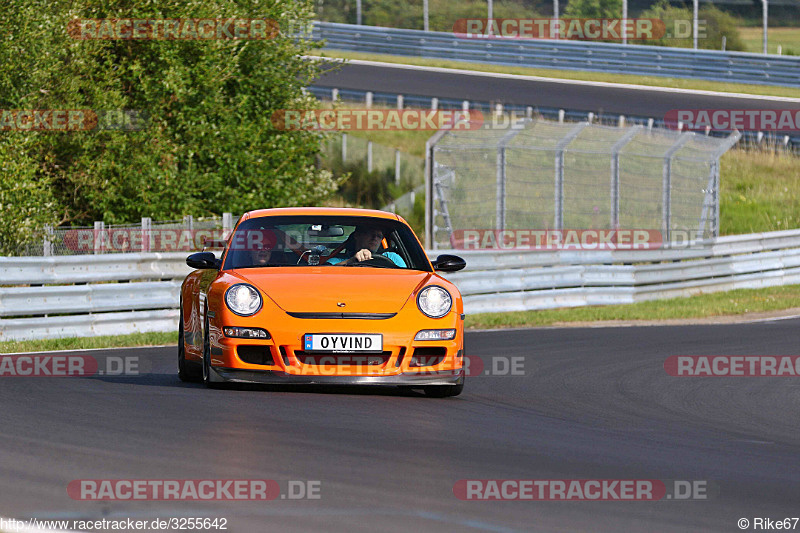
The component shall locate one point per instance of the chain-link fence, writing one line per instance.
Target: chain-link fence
(187, 235)
(549, 175)
(407, 168)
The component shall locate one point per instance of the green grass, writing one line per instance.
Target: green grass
(734, 302)
(651, 81)
(788, 38)
(84, 343)
(760, 191)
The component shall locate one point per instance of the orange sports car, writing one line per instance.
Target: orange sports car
(322, 296)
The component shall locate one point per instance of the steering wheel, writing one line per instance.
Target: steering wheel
(376, 261)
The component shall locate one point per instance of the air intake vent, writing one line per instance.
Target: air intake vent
(255, 354)
(428, 356)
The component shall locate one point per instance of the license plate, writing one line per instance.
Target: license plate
(343, 343)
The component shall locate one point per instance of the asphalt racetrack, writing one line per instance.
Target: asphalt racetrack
(559, 94)
(592, 403)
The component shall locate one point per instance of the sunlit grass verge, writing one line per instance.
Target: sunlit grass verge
(736, 302)
(85, 343)
(650, 81)
(787, 38)
(760, 191)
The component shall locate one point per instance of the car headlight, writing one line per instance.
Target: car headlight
(243, 299)
(434, 301)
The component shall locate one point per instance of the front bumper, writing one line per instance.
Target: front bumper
(273, 377)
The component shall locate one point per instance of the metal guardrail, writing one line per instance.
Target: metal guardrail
(714, 65)
(790, 140)
(118, 294)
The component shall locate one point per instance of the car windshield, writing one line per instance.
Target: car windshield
(301, 241)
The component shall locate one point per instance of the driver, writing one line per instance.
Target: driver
(365, 243)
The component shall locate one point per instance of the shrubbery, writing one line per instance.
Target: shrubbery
(718, 24)
(209, 146)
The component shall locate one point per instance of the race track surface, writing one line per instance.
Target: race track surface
(543, 93)
(593, 403)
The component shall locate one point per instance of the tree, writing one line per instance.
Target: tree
(208, 145)
(594, 9)
(677, 21)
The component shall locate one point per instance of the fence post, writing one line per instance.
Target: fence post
(188, 221)
(397, 167)
(558, 221)
(368, 100)
(99, 236)
(369, 156)
(227, 224)
(430, 162)
(147, 224)
(399, 102)
(47, 248)
(434, 104)
(560, 116)
(465, 106)
(500, 206)
(666, 186)
(334, 94)
(621, 142)
(344, 148)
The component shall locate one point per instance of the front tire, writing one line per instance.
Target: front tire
(443, 391)
(207, 357)
(187, 371)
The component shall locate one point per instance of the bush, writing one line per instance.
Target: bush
(718, 24)
(209, 146)
(594, 9)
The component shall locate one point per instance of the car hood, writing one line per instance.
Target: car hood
(321, 290)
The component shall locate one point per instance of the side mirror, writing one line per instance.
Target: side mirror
(449, 263)
(203, 260)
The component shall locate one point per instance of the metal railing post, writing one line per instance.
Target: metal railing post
(147, 224)
(47, 247)
(99, 236)
(344, 148)
(227, 224)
